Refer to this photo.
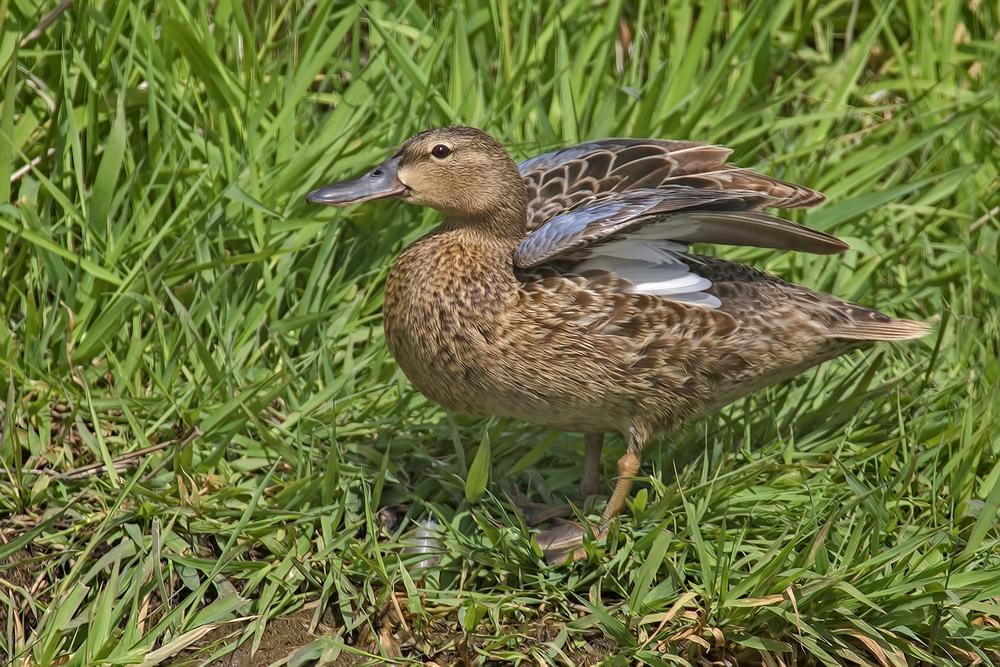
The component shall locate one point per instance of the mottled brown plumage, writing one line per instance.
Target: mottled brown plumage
(557, 292)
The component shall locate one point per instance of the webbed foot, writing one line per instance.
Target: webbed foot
(563, 543)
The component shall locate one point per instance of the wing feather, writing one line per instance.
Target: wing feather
(630, 206)
(591, 194)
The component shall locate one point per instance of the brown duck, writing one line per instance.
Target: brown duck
(560, 290)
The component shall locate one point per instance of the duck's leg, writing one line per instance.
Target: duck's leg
(535, 514)
(590, 483)
(563, 542)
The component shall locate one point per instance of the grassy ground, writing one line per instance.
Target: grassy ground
(201, 422)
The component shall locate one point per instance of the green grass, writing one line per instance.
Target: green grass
(172, 306)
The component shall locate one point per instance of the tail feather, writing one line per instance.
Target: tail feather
(860, 323)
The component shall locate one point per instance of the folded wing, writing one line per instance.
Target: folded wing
(586, 195)
(631, 205)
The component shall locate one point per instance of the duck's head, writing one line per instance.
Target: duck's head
(461, 171)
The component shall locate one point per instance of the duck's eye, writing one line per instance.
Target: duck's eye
(377, 172)
(440, 151)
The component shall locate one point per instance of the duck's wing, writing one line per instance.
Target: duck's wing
(636, 198)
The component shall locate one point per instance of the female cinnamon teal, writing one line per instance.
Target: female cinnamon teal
(560, 290)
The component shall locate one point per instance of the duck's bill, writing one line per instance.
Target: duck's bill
(382, 182)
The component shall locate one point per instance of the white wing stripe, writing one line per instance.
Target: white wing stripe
(652, 267)
(657, 251)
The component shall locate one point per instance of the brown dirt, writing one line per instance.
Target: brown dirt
(282, 637)
(23, 571)
(440, 644)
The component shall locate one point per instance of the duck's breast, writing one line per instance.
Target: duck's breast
(444, 313)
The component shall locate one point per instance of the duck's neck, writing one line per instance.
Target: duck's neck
(469, 258)
(497, 234)
(493, 213)
(465, 263)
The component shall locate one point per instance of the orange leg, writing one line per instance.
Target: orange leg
(564, 541)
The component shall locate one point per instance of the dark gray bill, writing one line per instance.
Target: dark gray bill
(381, 182)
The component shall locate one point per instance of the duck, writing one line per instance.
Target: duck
(562, 291)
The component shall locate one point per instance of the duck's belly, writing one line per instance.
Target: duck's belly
(477, 365)
(475, 378)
